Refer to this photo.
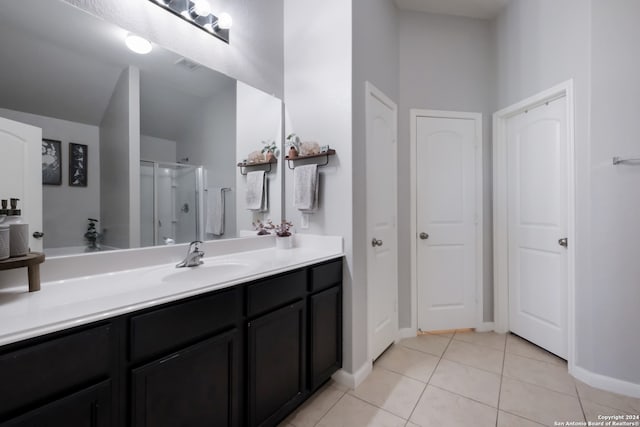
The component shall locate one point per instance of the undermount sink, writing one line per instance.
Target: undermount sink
(205, 271)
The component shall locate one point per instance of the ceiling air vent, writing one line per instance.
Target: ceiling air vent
(187, 65)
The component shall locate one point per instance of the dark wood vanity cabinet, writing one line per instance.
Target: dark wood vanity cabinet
(325, 336)
(276, 347)
(243, 356)
(325, 322)
(62, 379)
(196, 386)
(90, 407)
(186, 359)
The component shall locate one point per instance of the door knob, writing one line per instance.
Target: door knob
(375, 242)
(564, 242)
(424, 236)
(38, 234)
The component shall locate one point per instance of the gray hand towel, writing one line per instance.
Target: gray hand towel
(255, 183)
(215, 211)
(305, 187)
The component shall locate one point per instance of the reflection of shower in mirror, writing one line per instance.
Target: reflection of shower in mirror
(167, 193)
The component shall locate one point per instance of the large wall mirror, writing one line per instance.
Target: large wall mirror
(149, 144)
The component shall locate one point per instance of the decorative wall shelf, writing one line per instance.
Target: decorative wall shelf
(291, 160)
(243, 165)
(32, 261)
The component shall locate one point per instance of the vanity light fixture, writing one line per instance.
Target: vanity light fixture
(138, 44)
(198, 13)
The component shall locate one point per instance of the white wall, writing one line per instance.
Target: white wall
(375, 59)
(544, 43)
(258, 118)
(120, 163)
(318, 84)
(210, 142)
(609, 345)
(541, 44)
(63, 226)
(157, 149)
(254, 54)
(446, 63)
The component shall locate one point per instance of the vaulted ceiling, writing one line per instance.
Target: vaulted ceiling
(481, 9)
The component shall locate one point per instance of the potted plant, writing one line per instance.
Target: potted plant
(284, 237)
(261, 228)
(293, 142)
(270, 150)
(92, 236)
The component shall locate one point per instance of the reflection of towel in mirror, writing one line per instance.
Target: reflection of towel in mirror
(257, 192)
(215, 211)
(305, 188)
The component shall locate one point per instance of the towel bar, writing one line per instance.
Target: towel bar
(618, 160)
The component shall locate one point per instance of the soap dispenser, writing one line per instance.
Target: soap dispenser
(18, 231)
(4, 233)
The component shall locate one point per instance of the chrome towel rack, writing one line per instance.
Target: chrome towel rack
(617, 160)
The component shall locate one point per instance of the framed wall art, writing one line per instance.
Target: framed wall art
(51, 162)
(78, 165)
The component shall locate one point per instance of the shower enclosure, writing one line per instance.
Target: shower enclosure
(171, 201)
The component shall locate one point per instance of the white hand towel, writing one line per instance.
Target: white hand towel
(215, 211)
(265, 194)
(305, 187)
(255, 191)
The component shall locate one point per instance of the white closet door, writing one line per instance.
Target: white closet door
(537, 190)
(446, 222)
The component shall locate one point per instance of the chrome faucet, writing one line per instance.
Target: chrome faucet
(194, 255)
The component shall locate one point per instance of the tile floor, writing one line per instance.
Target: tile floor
(462, 379)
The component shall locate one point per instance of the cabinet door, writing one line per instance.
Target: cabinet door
(90, 407)
(197, 386)
(276, 364)
(39, 373)
(325, 340)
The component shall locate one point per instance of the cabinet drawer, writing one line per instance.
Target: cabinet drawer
(170, 328)
(36, 374)
(272, 293)
(326, 275)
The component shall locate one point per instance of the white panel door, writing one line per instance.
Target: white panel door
(382, 243)
(446, 221)
(537, 193)
(21, 172)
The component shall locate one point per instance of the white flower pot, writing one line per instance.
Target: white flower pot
(284, 242)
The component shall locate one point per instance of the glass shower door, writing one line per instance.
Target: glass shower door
(170, 203)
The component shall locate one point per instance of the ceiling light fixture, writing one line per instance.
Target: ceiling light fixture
(198, 13)
(138, 44)
(201, 7)
(224, 21)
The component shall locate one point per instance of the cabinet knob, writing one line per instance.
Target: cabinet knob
(38, 234)
(424, 236)
(375, 242)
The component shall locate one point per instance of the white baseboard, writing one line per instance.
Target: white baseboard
(353, 380)
(603, 382)
(407, 333)
(485, 327)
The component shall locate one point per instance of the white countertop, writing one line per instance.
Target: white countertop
(62, 304)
